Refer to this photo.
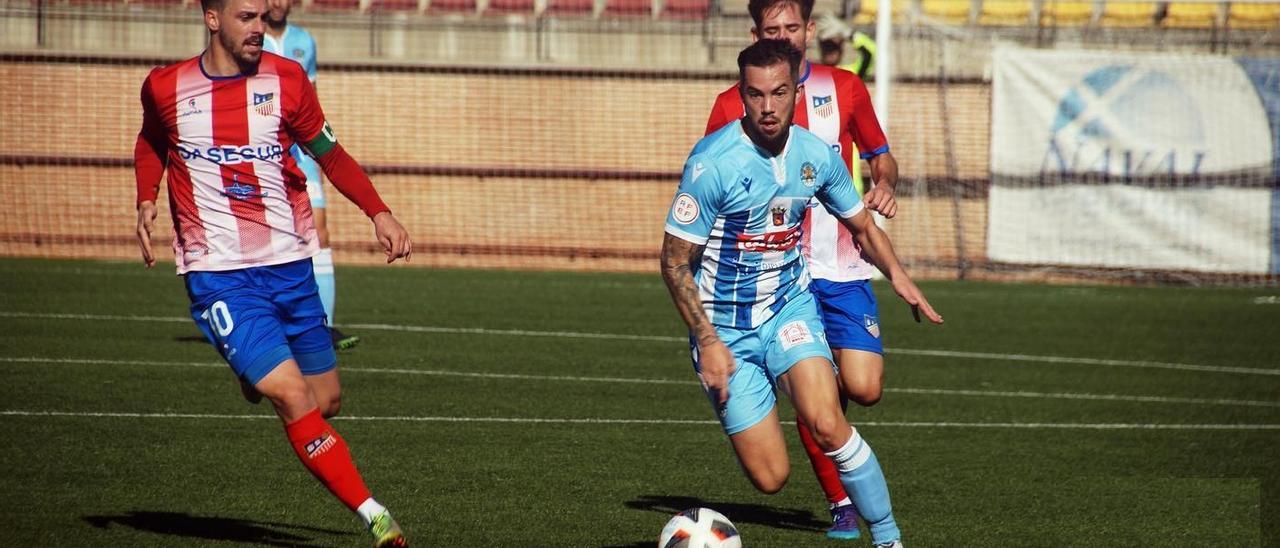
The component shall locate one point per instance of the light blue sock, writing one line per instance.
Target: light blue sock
(324, 278)
(864, 482)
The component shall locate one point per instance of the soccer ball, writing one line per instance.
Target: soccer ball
(699, 528)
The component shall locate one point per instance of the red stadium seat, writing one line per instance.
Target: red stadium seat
(452, 6)
(394, 5)
(335, 5)
(510, 6)
(570, 7)
(629, 8)
(686, 9)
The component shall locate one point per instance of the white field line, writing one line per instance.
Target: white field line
(1027, 358)
(627, 380)
(531, 420)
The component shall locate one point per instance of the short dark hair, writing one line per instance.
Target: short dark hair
(215, 5)
(757, 8)
(768, 52)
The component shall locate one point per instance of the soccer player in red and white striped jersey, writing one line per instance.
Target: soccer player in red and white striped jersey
(221, 125)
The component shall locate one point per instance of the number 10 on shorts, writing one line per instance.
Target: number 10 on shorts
(219, 318)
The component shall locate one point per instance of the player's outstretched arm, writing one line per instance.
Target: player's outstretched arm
(877, 246)
(714, 358)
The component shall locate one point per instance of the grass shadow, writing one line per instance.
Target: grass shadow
(738, 513)
(220, 529)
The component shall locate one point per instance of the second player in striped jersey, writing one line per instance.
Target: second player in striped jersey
(221, 124)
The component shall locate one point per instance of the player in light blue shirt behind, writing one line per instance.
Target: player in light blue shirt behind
(731, 262)
(296, 43)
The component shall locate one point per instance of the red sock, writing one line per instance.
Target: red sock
(323, 452)
(828, 476)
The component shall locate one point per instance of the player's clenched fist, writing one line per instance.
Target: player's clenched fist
(393, 237)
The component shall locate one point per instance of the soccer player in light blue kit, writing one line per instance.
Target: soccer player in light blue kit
(296, 43)
(731, 263)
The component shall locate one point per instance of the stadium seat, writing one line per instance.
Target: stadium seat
(871, 9)
(688, 10)
(1056, 13)
(570, 7)
(334, 5)
(955, 12)
(1253, 16)
(1193, 15)
(628, 8)
(1005, 13)
(394, 5)
(502, 7)
(451, 6)
(1128, 14)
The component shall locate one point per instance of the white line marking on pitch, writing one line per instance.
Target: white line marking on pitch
(532, 420)
(625, 380)
(1027, 358)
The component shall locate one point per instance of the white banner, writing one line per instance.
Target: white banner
(1143, 161)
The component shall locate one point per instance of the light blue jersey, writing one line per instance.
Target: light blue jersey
(297, 44)
(745, 205)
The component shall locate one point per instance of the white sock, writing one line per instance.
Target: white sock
(369, 509)
(843, 502)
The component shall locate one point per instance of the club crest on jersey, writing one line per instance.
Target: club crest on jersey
(808, 174)
(298, 53)
(872, 325)
(319, 445)
(779, 215)
(823, 106)
(264, 103)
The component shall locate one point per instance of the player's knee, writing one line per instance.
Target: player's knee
(331, 406)
(830, 430)
(865, 396)
(769, 480)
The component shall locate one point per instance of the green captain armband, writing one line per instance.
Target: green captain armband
(323, 142)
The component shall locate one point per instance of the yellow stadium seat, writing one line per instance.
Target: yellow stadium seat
(955, 12)
(1254, 16)
(1128, 14)
(1015, 13)
(870, 8)
(1193, 15)
(1066, 14)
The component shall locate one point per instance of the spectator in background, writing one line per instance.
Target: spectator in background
(834, 34)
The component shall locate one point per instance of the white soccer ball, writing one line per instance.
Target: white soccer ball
(699, 528)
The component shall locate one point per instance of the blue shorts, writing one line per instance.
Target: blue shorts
(259, 317)
(849, 313)
(763, 354)
(309, 167)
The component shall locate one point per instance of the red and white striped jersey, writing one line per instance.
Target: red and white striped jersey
(837, 108)
(237, 197)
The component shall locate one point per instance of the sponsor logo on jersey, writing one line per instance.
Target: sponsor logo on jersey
(779, 215)
(264, 103)
(685, 209)
(808, 174)
(769, 241)
(824, 106)
(189, 109)
(794, 334)
(872, 325)
(241, 191)
(319, 445)
(230, 155)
